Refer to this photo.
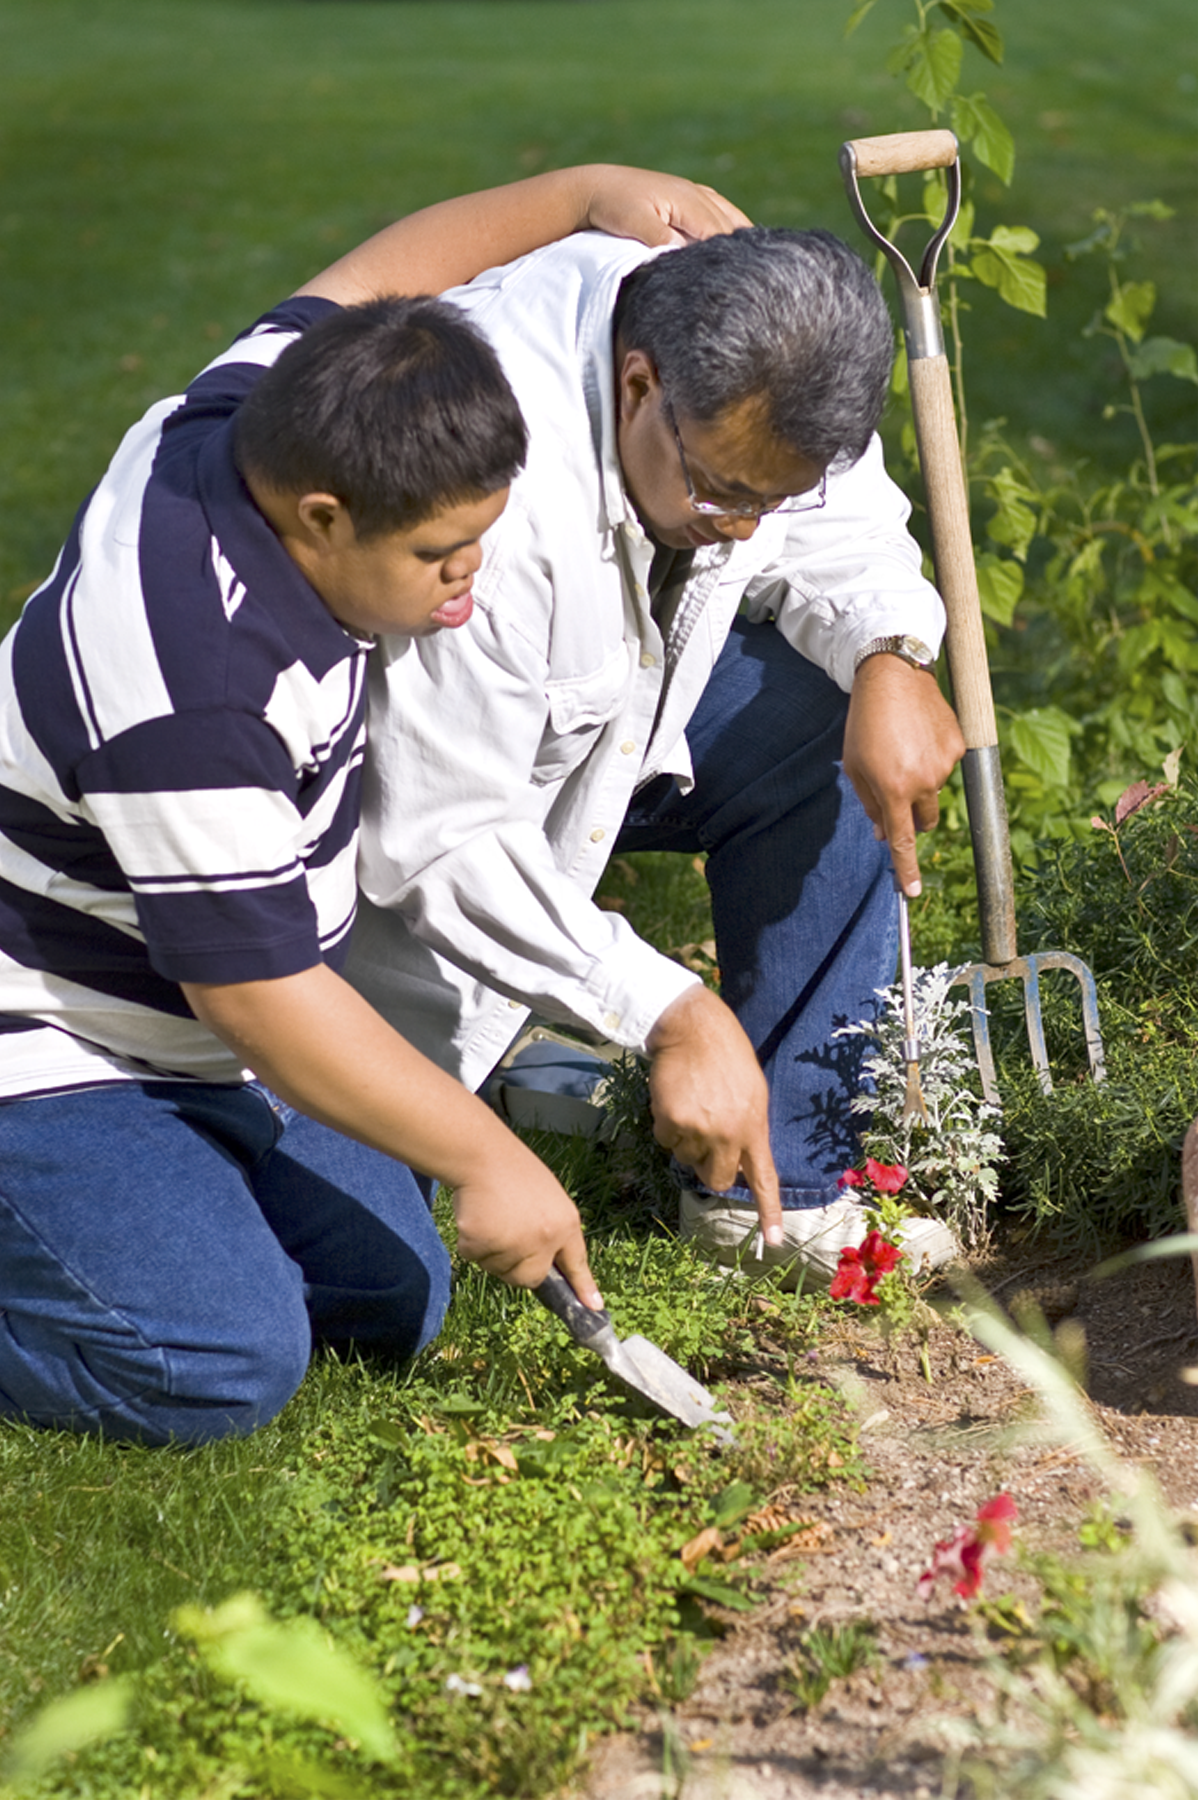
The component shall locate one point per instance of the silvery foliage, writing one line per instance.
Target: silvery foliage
(951, 1161)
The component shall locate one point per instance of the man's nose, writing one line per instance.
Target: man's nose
(735, 525)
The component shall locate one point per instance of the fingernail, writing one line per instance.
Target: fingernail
(775, 1236)
(914, 889)
(597, 1299)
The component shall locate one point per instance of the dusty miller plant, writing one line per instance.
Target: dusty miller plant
(951, 1160)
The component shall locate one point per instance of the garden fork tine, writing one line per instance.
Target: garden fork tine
(956, 577)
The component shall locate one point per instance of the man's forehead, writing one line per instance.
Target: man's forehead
(739, 450)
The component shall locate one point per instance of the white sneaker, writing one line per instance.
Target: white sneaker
(815, 1236)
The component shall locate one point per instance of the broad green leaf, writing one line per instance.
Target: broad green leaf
(1040, 738)
(976, 122)
(718, 1591)
(1019, 240)
(1014, 523)
(1137, 645)
(1164, 356)
(1131, 308)
(981, 32)
(732, 1503)
(932, 64)
(86, 1716)
(1177, 693)
(1000, 584)
(1020, 283)
(291, 1666)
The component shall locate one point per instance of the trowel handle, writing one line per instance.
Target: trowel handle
(584, 1326)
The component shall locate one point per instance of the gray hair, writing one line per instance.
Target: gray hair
(793, 316)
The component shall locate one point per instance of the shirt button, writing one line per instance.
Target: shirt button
(611, 1021)
(640, 592)
(648, 660)
(598, 835)
(627, 747)
(515, 1005)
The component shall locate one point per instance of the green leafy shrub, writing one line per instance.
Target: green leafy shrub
(1094, 1163)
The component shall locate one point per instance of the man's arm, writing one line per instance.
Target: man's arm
(446, 245)
(322, 1049)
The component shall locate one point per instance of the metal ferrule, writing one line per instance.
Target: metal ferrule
(911, 1050)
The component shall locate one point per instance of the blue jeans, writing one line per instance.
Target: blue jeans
(802, 895)
(169, 1251)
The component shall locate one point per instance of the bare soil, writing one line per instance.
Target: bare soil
(936, 1450)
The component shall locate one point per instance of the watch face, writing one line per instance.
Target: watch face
(916, 651)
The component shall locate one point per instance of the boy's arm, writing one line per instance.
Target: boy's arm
(319, 1046)
(448, 244)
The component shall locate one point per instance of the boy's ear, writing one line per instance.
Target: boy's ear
(325, 519)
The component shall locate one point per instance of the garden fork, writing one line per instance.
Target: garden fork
(956, 577)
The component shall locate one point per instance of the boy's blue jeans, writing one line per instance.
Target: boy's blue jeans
(803, 899)
(169, 1251)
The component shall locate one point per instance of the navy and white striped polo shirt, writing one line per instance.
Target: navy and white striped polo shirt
(181, 733)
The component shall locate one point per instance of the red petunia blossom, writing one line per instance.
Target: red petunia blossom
(851, 1178)
(966, 1554)
(861, 1269)
(888, 1178)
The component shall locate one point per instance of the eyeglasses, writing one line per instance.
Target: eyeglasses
(811, 501)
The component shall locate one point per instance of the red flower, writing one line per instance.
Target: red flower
(861, 1270)
(965, 1555)
(888, 1178)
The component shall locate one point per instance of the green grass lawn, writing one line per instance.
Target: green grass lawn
(168, 169)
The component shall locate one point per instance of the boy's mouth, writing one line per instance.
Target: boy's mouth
(453, 613)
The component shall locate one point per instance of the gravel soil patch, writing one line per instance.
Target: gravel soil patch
(936, 1449)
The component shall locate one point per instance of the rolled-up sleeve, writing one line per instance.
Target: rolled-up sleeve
(847, 572)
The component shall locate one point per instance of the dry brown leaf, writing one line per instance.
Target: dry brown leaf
(706, 1543)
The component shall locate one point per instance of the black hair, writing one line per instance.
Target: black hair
(792, 316)
(397, 407)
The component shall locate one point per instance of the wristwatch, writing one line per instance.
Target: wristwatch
(912, 650)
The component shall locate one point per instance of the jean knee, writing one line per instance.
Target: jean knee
(119, 1385)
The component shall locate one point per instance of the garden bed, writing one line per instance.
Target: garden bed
(935, 1452)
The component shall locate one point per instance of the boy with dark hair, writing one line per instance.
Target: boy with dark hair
(204, 1131)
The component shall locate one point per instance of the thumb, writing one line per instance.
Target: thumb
(571, 1261)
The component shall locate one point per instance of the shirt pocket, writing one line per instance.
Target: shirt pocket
(578, 709)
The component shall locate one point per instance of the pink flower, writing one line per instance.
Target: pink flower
(967, 1552)
(851, 1178)
(861, 1270)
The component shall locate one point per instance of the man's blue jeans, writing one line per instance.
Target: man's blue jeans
(802, 894)
(169, 1251)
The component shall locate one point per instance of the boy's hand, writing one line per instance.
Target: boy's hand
(518, 1225)
(657, 209)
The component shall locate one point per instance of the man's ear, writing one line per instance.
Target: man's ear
(640, 384)
(325, 520)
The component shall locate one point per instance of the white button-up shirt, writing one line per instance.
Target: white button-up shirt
(503, 756)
